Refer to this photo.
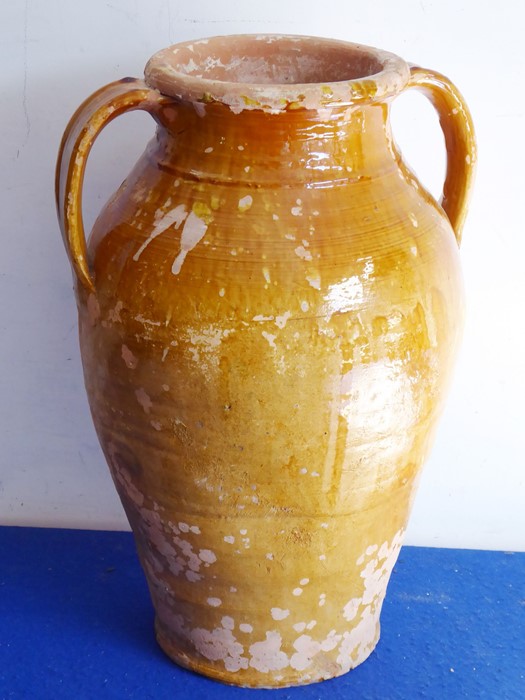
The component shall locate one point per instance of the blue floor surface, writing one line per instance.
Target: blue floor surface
(76, 622)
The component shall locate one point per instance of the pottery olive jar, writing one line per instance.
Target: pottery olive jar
(269, 310)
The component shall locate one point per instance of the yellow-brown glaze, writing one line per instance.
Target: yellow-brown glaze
(268, 320)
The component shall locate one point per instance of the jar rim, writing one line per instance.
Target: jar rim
(276, 72)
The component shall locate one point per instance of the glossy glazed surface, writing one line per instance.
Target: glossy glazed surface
(268, 325)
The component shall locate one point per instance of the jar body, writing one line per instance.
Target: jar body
(278, 308)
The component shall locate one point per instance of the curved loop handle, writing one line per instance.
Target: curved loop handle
(85, 125)
(460, 141)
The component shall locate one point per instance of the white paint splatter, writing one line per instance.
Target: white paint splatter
(193, 232)
(214, 602)
(174, 217)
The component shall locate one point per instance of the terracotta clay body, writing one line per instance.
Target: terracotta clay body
(269, 310)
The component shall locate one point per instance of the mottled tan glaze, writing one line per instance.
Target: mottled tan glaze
(269, 310)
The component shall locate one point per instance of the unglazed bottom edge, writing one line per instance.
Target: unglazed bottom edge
(231, 678)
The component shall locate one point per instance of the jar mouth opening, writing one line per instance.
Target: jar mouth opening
(276, 72)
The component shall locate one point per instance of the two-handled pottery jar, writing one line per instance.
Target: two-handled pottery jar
(269, 311)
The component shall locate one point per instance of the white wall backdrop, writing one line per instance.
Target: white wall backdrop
(56, 52)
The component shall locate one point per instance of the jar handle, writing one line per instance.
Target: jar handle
(460, 142)
(83, 128)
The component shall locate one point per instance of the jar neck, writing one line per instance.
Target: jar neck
(210, 142)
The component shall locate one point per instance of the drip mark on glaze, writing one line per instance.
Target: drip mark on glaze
(174, 217)
(193, 232)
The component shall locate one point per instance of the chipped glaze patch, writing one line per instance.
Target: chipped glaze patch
(228, 622)
(214, 602)
(207, 556)
(129, 358)
(280, 321)
(302, 253)
(143, 399)
(200, 108)
(220, 645)
(306, 648)
(314, 281)
(267, 655)
(93, 309)
(279, 613)
(350, 646)
(245, 203)
(351, 608)
(169, 550)
(270, 338)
